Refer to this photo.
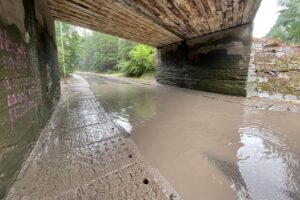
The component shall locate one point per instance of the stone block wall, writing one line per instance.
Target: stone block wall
(217, 62)
(29, 81)
(275, 70)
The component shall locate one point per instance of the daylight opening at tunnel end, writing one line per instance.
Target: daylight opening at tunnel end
(149, 99)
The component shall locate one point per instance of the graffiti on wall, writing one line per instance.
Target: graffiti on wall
(13, 54)
(22, 99)
(19, 79)
(27, 93)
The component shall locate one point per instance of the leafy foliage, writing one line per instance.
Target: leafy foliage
(141, 61)
(124, 48)
(72, 43)
(92, 51)
(100, 52)
(287, 26)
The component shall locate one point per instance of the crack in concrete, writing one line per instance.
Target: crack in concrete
(97, 179)
(80, 127)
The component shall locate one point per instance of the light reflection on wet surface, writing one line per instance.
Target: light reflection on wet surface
(269, 158)
(129, 105)
(208, 149)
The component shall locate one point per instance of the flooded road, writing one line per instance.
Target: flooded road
(207, 146)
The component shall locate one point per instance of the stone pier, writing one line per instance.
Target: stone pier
(216, 62)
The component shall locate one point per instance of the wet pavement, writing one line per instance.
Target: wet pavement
(81, 154)
(209, 146)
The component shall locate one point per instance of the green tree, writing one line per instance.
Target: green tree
(107, 58)
(93, 51)
(124, 48)
(287, 26)
(86, 58)
(72, 43)
(142, 60)
(100, 52)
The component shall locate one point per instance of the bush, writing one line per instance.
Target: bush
(142, 60)
(123, 66)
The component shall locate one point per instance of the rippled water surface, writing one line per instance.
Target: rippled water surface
(208, 146)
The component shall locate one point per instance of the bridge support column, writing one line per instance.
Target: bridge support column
(216, 62)
(29, 81)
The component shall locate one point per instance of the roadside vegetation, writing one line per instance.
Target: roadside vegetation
(97, 52)
(72, 43)
(287, 27)
(90, 51)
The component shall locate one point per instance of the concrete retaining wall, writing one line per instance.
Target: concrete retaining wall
(29, 81)
(217, 62)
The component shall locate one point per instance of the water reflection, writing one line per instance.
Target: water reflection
(207, 148)
(129, 105)
(267, 165)
(122, 119)
(232, 171)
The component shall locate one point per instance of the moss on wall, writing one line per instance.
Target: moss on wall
(279, 64)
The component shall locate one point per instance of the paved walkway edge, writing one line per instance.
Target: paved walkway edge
(140, 168)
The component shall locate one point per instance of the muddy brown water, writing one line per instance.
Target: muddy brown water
(207, 146)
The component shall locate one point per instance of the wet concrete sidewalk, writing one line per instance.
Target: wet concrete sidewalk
(82, 155)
